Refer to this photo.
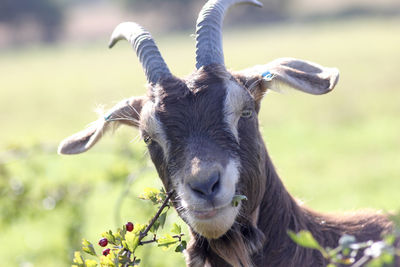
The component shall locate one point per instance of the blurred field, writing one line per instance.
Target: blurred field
(336, 152)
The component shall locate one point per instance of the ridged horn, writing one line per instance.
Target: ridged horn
(209, 31)
(146, 49)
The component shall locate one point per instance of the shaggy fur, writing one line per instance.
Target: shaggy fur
(200, 120)
(190, 114)
(248, 243)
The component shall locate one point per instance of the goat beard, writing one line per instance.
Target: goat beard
(235, 247)
(238, 244)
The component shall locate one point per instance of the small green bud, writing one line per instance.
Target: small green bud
(236, 200)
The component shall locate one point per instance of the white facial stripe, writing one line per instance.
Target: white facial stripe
(233, 105)
(230, 178)
(153, 126)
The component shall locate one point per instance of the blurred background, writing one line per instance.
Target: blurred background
(337, 152)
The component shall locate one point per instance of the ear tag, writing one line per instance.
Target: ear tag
(107, 118)
(268, 76)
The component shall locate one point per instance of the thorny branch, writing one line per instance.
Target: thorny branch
(154, 219)
(124, 247)
(179, 237)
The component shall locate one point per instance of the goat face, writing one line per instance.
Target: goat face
(193, 139)
(202, 132)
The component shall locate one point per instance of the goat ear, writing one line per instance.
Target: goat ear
(299, 74)
(125, 112)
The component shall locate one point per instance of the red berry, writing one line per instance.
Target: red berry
(129, 226)
(103, 242)
(106, 251)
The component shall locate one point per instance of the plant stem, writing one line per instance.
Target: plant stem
(361, 261)
(129, 259)
(179, 237)
(154, 219)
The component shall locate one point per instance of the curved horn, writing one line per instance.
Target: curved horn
(209, 31)
(146, 49)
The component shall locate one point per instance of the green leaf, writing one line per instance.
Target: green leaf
(237, 199)
(107, 261)
(123, 256)
(346, 252)
(124, 244)
(90, 263)
(78, 259)
(162, 218)
(138, 228)
(390, 239)
(115, 259)
(136, 262)
(155, 227)
(132, 241)
(162, 195)
(387, 258)
(120, 235)
(304, 239)
(181, 247)
(395, 218)
(110, 237)
(331, 265)
(151, 194)
(166, 241)
(176, 229)
(88, 247)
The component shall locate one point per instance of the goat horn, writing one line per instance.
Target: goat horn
(209, 31)
(147, 51)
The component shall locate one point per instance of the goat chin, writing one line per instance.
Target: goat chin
(216, 226)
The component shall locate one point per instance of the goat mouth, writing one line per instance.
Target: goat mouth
(207, 214)
(204, 215)
(214, 221)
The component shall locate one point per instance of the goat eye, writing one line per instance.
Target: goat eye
(147, 139)
(246, 113)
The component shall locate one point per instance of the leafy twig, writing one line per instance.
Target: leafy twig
(125, 241)
(154, 219)
(179, 237)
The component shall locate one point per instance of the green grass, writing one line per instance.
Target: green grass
(336, 152)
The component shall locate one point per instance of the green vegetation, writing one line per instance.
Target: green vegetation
(121, 247)
(350, 252)
(337, 152)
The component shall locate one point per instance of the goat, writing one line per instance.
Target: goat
(203, 137)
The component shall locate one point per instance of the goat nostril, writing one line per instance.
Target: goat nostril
(215, 187)
(206, 188)
(201, 193)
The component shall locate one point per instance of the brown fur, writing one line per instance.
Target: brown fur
(267, 243)
(191, 114)
(278, 213)
(198, 118)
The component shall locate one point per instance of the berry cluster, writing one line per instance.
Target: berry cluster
(119, 247)
(104, 242)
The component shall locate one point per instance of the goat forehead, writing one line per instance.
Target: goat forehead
(197, 117)
(196, 110)
(203, 98)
